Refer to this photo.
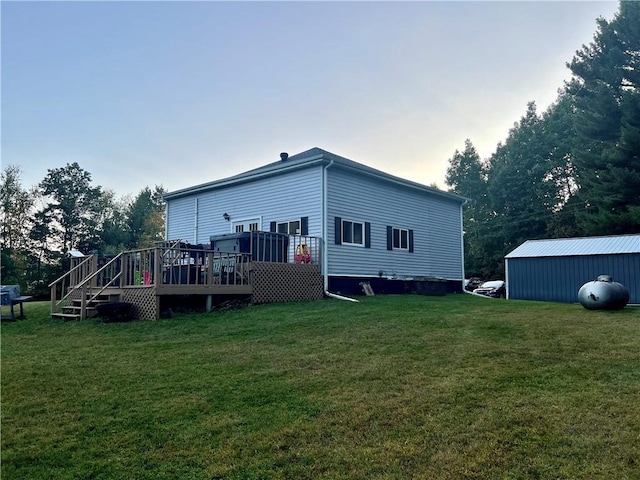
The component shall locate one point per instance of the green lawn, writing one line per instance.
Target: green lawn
(394, 387)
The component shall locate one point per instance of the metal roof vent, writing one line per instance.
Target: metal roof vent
(284, 156)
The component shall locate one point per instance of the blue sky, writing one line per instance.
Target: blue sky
(182, 93)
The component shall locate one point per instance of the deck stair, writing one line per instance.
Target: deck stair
(77, 294)
(73, 311)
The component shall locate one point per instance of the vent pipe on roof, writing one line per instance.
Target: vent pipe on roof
(284, 156)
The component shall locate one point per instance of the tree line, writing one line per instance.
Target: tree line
(572, 170)
(65, 212)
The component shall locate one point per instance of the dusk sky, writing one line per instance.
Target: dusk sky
(181, 93)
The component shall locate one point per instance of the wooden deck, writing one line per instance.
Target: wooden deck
(143, 277)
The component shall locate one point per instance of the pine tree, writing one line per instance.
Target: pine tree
(466, 176)
(606, 88)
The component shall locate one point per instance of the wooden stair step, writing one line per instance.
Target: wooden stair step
(113, 298)
(75, 310)
(66, 316)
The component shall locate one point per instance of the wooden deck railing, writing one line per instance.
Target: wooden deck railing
(179, 268)
(189, 266)
(283, 248)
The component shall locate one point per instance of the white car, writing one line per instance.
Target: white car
(494, 289)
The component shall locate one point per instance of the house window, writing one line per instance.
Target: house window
(352, 232)
(349, 232)
(249, 225)
(290, 228)
(299, 226)
(399, 239)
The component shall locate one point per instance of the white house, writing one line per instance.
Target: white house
(373, 226)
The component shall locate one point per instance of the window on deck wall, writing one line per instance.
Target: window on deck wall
(351, 232)
(399, 239)
(246, 225)
(299, 226)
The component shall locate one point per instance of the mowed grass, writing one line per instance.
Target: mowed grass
(393, 387)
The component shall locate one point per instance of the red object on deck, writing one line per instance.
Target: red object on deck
(302, 254)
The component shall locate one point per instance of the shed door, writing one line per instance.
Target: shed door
(246, 225)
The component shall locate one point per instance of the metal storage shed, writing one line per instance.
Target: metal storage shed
(554, 270)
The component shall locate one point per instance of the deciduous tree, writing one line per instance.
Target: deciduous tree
(16, 205)
(144, 218)
(75, 207)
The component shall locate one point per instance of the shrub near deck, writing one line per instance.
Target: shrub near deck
(392, 387)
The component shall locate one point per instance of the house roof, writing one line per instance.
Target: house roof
(567, 247)
(306, 159)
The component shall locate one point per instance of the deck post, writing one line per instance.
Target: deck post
(123, 262)
(209, 269)
(209, 303)
(83, 303)
(92, 269)
(54, 301)
(157, 264)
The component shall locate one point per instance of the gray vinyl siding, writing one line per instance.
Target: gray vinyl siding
(435, 221)
(278, 198)
(558, 279)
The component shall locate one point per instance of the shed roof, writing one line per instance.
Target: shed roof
(308, 158)
(567, 247)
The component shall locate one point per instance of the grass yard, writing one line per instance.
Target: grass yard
(394, 387)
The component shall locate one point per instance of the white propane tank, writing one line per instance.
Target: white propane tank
(603, 294)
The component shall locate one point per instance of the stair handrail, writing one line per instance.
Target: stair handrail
(171, 248)
(89, 257)
(83, 287)
(104, 287)
(54, 301)
(87, 282)
(168, 248)
(100, 270)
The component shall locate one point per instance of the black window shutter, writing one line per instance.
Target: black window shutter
(338, 233)
(389, 238)
(272, 227)
(411, 241)
(304, 226)
(367, 235)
